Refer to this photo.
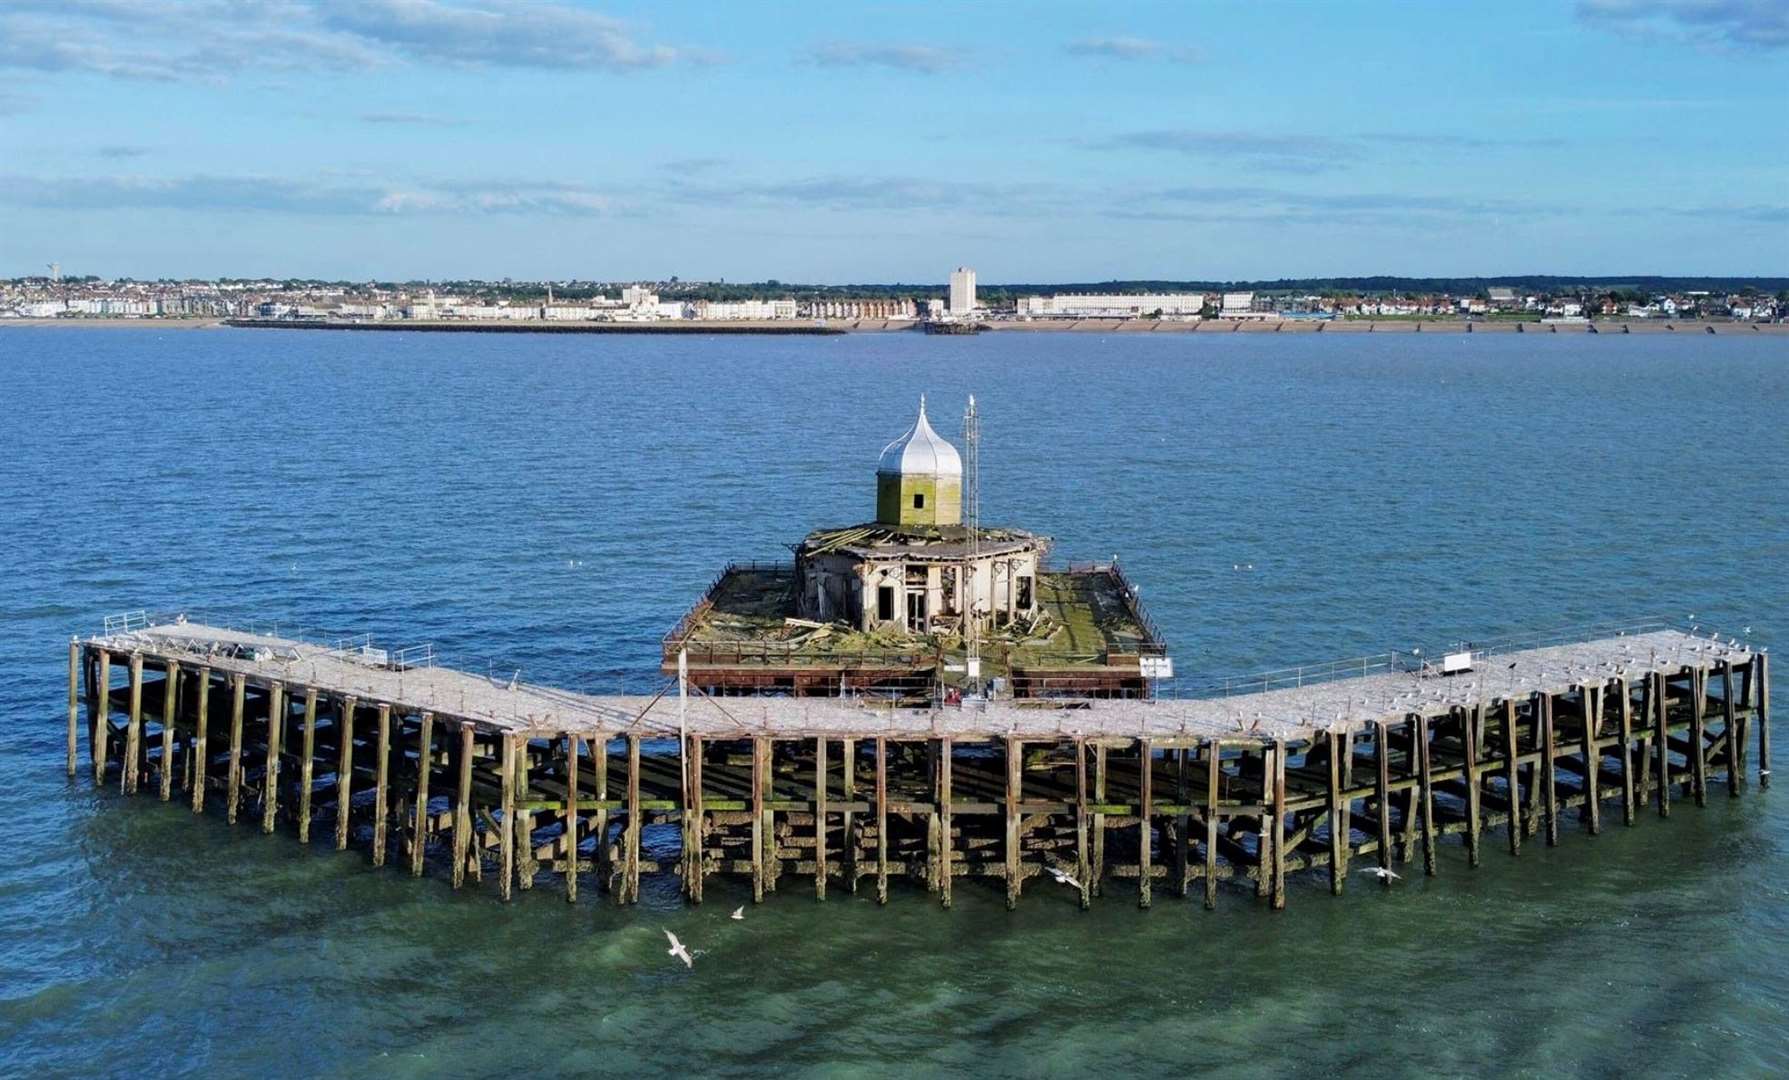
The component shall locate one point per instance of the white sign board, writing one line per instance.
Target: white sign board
(1157, 667)
(1454, 663)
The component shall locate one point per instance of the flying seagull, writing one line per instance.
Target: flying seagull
(1387, 876)
(678, 950)
(1063, 877)
(738, 914)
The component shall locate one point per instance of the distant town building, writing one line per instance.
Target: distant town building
(745, 309)
(962, 291)
(1120, 306)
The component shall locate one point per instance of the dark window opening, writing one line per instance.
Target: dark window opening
(919, 500)
(885, 603)
(1025, 592)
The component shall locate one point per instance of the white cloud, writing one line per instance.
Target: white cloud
(1749, 24)
(1132, 48)
(921, 59)
(165, 40)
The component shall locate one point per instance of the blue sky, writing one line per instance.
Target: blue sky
(840, 142)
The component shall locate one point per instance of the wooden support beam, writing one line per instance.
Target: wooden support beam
(1426, 786)
(201, 730)
(102, 716)
(170, 713)
(1213, 773)
(946, 871)
(1698, 735)
(599, 764)
(1145, 815)
(1644, 731)
(1624, 720)
(1513, 773)
(1264, 829)
(462, 804)
(932, 818)
(1014, 780)
(698, 852)
(1178, 864)
(1338, 818)
(1730, 728)
(1279, 824)
(233, 792)
(1592, 698)
(1761, 679)
(635, 825)
(848, 761)
(1382, 791)
(1549, 770)
(270, 777)
(1661, 740)
(526, 864)
(1098, 871)
(307, 765)
(344, 768)
(760, 782)
(881, 820)
(74, 704)
(506, 837)
(600, 750)
(382, 785)
(1083, 858)
(425, 764)
(820, 817)
(1474, 720)
(133, 732)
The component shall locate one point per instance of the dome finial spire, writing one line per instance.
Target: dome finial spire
(922, 404)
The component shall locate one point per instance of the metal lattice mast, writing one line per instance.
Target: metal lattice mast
(972, 518)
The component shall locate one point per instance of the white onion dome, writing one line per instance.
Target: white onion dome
(920, 452)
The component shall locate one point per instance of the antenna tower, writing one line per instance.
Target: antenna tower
(972, 518)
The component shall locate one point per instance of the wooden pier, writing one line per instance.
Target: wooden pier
(527, 786)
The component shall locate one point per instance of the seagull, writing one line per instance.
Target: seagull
(738, 914)
(1387, 876)
(1063, 877)
(678, 950)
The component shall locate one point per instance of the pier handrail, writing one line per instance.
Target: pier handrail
(1417, 661)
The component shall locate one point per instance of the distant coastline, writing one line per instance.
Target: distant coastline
(1046, 326)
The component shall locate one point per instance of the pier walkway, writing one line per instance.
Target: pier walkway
(1254, 779)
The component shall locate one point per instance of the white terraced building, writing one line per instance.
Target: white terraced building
(1111, 305)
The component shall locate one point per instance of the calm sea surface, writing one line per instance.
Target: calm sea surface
(553, 503)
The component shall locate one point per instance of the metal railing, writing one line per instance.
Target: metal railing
(126, 622)
(1420, 662)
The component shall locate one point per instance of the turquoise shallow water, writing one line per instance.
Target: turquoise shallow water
(554, 503)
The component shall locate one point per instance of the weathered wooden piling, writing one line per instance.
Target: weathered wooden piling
(133, 733)
(344, 768)
(1662, 740)
(238, 690)
(425, 764)
(74, 705)
(170, 705)
(201, 731)
(102, 717)
(307, 764)
(999, 795)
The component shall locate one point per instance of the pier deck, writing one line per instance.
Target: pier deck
(1258, 778)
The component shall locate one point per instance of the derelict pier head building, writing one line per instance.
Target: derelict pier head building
(891, 605)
